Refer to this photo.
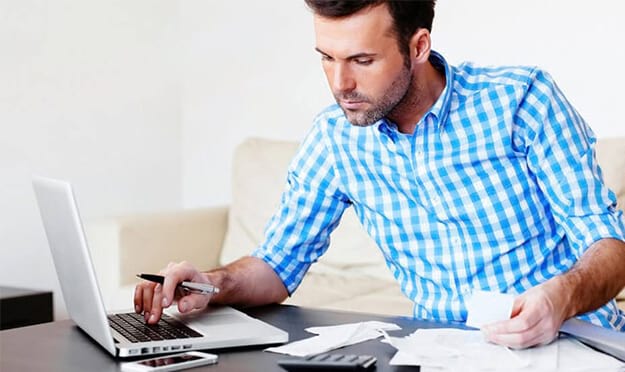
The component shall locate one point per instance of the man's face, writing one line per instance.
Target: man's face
(362, 62)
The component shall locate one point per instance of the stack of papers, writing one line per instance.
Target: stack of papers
(334, 337)
(451, 349)
(448, 349)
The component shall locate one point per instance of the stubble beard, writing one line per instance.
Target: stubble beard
(381, 107)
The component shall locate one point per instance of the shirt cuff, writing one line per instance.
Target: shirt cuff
(289, 270)
(586, 230)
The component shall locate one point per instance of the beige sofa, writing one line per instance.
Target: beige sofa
(351, 276)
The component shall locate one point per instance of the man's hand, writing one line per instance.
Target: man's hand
(536, 317)
(538, 313)
(150, 298)
(248, 281)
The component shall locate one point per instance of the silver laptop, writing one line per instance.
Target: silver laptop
(609, 341)
(124, 334)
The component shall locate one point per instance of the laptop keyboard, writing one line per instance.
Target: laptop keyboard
(135, 329)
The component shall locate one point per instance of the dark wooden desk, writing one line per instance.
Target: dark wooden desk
(62, 346)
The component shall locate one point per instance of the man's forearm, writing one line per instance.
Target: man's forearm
(248, 281)
(596, 278)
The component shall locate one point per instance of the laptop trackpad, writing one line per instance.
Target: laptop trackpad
(222, 320)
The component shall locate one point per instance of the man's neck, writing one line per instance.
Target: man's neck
(425, 88)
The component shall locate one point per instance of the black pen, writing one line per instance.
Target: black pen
(199, 288)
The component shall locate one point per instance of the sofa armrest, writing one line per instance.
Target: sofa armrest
(122, 247)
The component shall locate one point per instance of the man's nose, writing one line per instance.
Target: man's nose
(343, 81)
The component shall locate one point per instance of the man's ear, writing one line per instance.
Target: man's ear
(420, 45)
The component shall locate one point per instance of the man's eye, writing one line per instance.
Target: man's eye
(363, 61)
(326, 58)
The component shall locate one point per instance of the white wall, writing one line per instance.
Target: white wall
(250, 68)
(88, 92)
(578, 42)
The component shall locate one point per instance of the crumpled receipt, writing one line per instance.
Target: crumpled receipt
(452, 349)
(334, 337)
(446, 349)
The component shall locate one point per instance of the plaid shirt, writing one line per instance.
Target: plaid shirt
(497, 189)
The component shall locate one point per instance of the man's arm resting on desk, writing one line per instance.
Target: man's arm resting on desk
(249, 281)
(539, 312)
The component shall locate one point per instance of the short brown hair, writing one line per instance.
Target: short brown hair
(408, 15)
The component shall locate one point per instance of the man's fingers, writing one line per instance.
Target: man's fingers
(193, 302)
(537, 335)
(516, 340)
(157, 310)
(521, 322)
(531, 324)
(174, 275)
(169, 288)
(151, 298)
(148, 292)
(517, 306)
(138, 299)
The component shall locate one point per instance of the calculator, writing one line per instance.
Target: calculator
(329, 362)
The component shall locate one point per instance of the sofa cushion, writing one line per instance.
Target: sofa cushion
(362, 294)
(258, 179)
(611, 158)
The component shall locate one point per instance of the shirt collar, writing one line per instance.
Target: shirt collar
(440, 109)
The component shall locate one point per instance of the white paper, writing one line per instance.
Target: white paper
(488, 307)
(541, 358)
(450, 348)
(467, 352)
(577, 357)
(334, 337)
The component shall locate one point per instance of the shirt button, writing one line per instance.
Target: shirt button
(455, 240)
(465, 289)
(436, 200)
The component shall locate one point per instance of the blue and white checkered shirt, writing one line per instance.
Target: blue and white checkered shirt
(498, 189)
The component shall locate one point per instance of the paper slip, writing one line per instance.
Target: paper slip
(488, 307)
(466, 351)
(334, 337)
(450, 349)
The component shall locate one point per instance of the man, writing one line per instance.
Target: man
(467, 178)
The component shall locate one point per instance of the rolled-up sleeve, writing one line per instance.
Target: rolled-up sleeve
(310, 209)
